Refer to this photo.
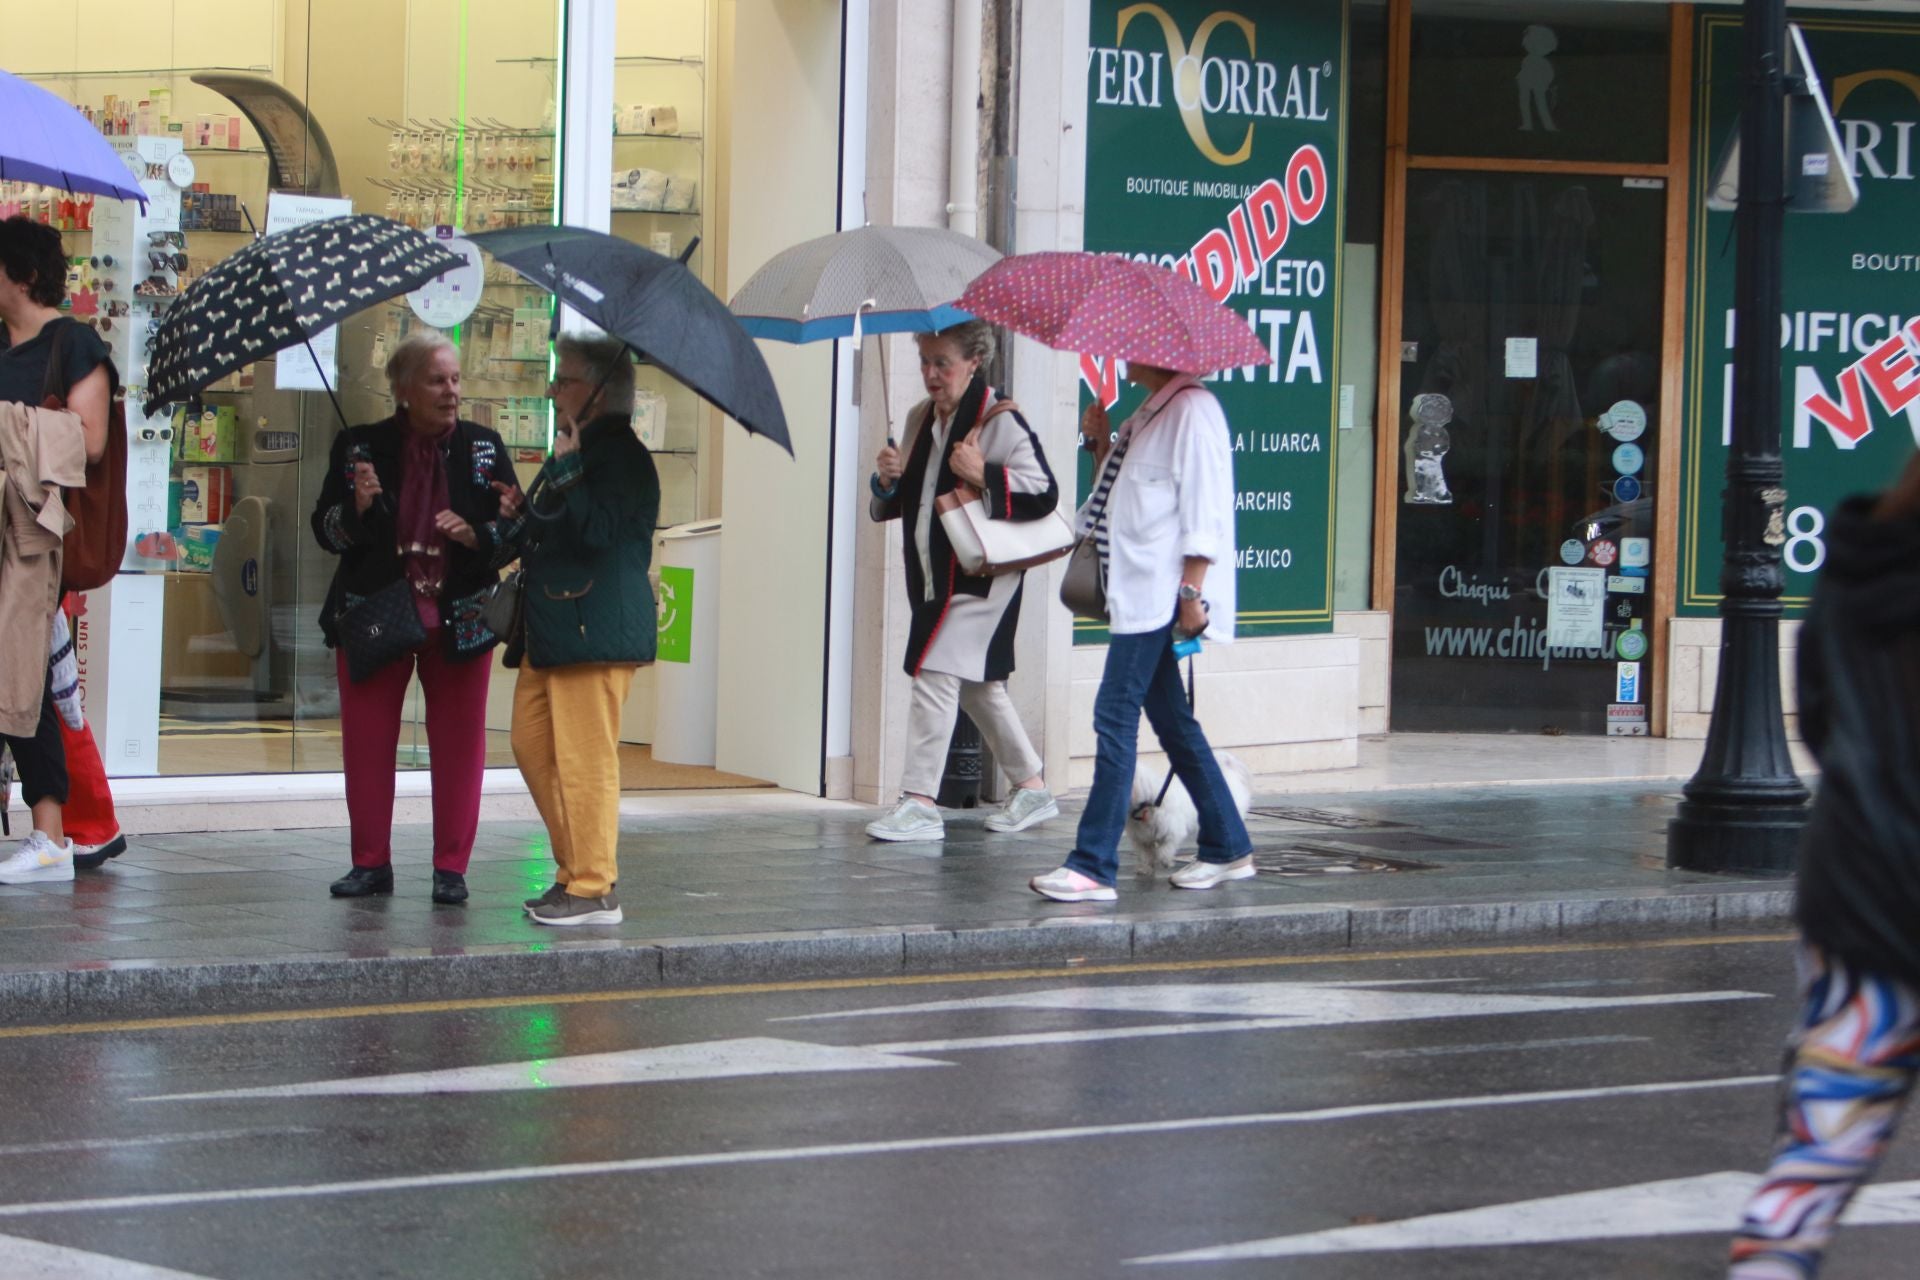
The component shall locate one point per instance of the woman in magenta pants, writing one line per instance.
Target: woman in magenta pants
(416, 496)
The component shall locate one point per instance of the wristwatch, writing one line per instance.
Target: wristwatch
(1189, 592)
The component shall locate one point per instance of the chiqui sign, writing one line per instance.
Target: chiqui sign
(1850, 383)
(1215, 148)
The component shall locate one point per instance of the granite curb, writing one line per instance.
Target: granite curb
(116, 990)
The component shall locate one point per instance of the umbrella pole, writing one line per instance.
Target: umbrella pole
(324, 381)
(886, 386)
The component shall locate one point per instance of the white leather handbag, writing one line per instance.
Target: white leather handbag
(986, 547)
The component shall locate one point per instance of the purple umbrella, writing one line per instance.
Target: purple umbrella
(46, 140)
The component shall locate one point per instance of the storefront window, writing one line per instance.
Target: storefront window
(1545, 80)
(663, 182)
(207, 657)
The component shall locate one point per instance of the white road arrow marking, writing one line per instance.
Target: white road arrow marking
(708, 1060)
(1307, 1004)
(1706, 1205)
(22, 1259)
(1275, 1006)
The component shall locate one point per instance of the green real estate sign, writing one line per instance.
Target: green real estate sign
(1216, 147)
(1850, 388)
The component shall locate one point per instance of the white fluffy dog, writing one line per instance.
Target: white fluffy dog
(1158, 831)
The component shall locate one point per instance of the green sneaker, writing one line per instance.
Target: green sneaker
(1023, 809)
(909, 820)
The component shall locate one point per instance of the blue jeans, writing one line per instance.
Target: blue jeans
(1143, 674)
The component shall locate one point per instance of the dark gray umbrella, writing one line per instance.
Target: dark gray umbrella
(657, 307)
(280, 291)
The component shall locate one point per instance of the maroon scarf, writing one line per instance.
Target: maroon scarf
(423, 495)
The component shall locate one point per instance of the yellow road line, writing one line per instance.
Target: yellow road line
(1071, 970)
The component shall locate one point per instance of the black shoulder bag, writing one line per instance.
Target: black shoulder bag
(504, 613)
(380, 628)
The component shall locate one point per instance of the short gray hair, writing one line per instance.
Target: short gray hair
(607, 359)
(974, 338)
(412, 355)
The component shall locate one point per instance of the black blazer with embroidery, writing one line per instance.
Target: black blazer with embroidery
(366, 542)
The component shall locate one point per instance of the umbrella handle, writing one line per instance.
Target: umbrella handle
(886, 386)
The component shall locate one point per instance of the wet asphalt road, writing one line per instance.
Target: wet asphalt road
(1050, 1126)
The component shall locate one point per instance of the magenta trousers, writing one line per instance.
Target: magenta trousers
(456, 694)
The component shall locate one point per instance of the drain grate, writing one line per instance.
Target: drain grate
(1324, 860)
(1324, 818)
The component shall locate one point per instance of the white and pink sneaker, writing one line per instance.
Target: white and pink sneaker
(1068, 885)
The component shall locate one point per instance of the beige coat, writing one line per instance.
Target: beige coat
(41, 451)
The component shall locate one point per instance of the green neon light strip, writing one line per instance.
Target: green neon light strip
(563, 12)
(459, 211)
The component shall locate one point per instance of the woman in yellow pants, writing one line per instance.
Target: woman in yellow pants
(585, 539)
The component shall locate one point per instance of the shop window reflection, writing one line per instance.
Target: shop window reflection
(1544, 80)
(243, 682)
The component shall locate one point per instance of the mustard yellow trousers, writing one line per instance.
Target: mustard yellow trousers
(566, 740)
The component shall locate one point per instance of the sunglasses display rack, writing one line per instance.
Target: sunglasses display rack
(130, 274)
(136, 259)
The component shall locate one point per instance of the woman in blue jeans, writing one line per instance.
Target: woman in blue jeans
(1161, 513)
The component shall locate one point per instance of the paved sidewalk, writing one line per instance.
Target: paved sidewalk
(719, 890)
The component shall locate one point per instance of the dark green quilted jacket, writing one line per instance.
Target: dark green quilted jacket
(586, 594)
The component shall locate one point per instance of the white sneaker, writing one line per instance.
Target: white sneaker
(1205, 875)
(1025, 807)
(909, 820)
(38, 859)
(1067, 885)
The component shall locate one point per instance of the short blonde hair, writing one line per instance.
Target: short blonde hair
(412, 355)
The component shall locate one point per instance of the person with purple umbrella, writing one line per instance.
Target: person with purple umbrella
(44, 352)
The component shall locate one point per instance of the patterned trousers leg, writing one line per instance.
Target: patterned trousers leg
(1850, 1069)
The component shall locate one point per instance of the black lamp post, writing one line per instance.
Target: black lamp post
(1744, 808)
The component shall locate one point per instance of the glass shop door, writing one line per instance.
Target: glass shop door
(1530, 389)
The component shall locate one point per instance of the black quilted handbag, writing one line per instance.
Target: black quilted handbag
(379, 628)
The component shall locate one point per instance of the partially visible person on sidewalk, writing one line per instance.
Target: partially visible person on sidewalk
(89, 815)
(41, 451)
(1852, 1062)
(415, 497)
(585, 542)
(960, 641)
(1161, 513)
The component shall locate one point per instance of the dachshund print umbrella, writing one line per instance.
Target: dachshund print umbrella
(282, 290)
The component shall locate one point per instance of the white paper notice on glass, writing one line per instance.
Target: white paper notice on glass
(1346, 406)
(1576, 608)
(1523, 357)
(294, 369)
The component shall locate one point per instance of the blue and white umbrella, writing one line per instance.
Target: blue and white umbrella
(868, 280)
(871, 280)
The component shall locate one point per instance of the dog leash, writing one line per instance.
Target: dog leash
(1140, 814)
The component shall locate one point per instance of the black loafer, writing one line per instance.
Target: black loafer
(363, 881)
(449, 888)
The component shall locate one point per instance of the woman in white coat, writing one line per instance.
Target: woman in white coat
(1161, 514)
(960, 643)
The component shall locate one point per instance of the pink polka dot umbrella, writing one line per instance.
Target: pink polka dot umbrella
(1104, 305)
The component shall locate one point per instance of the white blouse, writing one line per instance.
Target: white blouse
(1172, 499)
(923, 528)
